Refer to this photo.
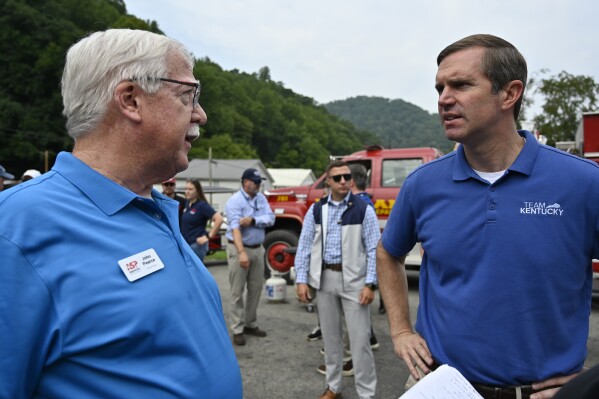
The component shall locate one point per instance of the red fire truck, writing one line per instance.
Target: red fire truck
(587, 146)
(387, 170)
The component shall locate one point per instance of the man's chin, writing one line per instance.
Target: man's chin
(182, 163)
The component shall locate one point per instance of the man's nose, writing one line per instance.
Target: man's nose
(198, 115)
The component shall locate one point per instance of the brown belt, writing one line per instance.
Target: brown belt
(336, 267)
(497, 392)
(253, 246)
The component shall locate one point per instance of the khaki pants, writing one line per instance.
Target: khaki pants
(244, 313)
(412, 381)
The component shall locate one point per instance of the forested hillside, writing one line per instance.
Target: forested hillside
(397, 123)
(249, 115)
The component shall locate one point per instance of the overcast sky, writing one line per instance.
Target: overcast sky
(335, 49)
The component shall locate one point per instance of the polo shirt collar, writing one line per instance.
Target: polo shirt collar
(106, 194)
(523, 164)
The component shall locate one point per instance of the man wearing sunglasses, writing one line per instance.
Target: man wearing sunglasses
(100, 295)
(336, 256)
(168, 189)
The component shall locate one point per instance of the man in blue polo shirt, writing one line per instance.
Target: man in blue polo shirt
(100, 297)
(508, 227)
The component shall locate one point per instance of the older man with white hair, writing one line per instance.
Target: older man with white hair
(100, 296)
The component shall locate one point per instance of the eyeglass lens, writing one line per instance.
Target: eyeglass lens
(337, 178)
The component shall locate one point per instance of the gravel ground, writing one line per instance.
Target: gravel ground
(283, 364)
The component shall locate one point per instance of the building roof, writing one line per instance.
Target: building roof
(222, 169)
(291, 177)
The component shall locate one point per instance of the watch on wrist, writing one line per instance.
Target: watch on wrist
(371, 286)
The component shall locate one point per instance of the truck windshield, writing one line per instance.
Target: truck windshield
(395, 171)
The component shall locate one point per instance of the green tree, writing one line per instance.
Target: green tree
(34, 38)
(566, 96)
(223, 147)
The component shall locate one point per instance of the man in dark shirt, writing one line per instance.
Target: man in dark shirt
(168, 189)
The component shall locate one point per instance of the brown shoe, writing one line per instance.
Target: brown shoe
(256, 332)
(348, 369)
(238, 339)
(328, 394)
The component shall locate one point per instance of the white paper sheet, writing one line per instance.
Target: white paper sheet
(443, 383)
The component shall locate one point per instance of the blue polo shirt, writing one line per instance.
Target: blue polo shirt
(73, 326)
(505, 281)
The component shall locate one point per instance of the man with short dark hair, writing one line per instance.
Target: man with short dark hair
(248, 215)
(100, 295)
(509, 228)
(336, 256)
(359, 175)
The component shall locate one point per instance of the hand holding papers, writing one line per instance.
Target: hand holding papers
(443, 383)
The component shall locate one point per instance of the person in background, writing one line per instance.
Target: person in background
(359, 180)
(248, 215)
(357, 184)
(509, 228)
(30, 174)
(100, 296)
(584, 386)
(358, 187)
(336, 256)
(359, 175)
(168, 189)
(196, 215)
(4, 175)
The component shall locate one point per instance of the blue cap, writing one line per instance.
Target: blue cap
(5, 174)
(253, 175)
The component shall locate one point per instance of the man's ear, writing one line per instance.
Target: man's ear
(126, 96)
(512, 93)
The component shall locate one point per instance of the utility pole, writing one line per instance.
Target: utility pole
(210, 170)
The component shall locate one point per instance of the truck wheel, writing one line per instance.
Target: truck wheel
(277, 259)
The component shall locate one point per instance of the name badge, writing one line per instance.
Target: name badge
(141, 264)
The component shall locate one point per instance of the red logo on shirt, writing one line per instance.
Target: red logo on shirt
(132, 265)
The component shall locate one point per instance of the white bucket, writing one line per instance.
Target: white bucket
(276, 289)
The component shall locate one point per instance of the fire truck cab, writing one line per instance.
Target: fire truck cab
(387, 170)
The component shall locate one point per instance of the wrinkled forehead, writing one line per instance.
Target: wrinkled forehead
(179, 67)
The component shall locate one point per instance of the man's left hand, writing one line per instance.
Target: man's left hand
(246, 221)
(366, 296)
(555, 383)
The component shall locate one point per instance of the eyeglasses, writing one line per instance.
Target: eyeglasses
(196, 93)
(196, 85)
(337, 178)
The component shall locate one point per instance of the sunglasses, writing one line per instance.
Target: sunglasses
(168, 184)
(337, 178)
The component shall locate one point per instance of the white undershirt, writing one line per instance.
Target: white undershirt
(491, 177)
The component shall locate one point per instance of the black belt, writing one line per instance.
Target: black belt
(336, 267)
(497, 392)
(253, 246)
